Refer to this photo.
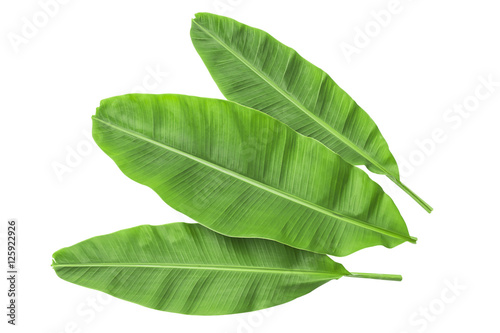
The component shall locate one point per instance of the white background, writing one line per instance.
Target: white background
(428, 58)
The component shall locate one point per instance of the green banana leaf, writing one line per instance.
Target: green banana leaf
(252, 68)
(243, 173)
(186, 268)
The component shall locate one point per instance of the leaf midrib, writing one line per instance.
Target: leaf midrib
(299, 105)
(253, 269)
(253, 182)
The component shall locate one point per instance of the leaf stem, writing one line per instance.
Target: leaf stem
(412, 194)
(388, 277)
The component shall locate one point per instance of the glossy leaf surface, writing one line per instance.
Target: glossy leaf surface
(242, 173)
(252, 68)
(186, 268)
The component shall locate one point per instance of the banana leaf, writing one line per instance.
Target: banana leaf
(186, 268)
(252, 68)
(243, 173)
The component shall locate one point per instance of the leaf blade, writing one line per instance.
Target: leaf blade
(292, 90)
(267, 273)
(290, 188)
